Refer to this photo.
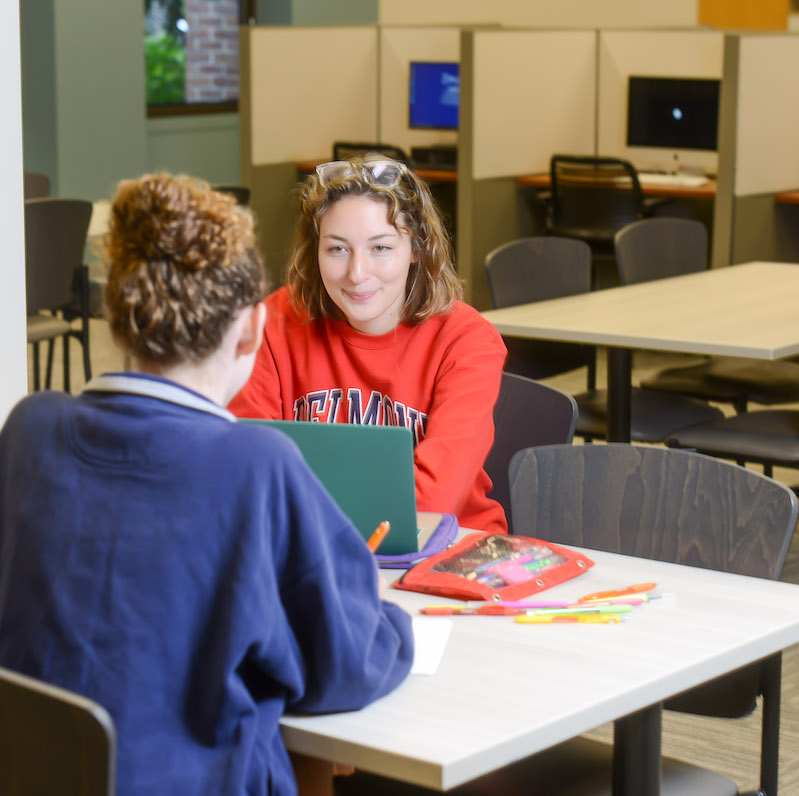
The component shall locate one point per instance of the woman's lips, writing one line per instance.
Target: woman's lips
(359, 297)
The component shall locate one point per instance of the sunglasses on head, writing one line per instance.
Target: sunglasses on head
(387, 173)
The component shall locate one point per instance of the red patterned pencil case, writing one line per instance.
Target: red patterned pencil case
(495, 567)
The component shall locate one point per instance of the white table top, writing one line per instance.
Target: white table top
(745, 310)
(504, 691)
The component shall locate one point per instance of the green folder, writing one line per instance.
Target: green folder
(369, 472)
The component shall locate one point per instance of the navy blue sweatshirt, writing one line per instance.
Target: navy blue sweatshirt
(191, 575)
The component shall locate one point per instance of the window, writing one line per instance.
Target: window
(192, 55)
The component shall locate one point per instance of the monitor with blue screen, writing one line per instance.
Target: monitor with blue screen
(434, 95)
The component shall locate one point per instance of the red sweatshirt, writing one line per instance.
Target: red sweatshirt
(440, 379)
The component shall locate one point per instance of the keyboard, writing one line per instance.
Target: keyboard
(682, 180)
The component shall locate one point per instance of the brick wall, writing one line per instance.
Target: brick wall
(212, 50)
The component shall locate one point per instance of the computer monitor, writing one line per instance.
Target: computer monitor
(673, 113)
(434, 95)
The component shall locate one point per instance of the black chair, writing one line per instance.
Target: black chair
(769, 437)
(526, 414)
(53, 741)
(36, 185)
(344, 150)
(592, 198)
(540, 268)
(657, 248)
(671, 506)
(654, 503)
(239, 192)
(55, 237)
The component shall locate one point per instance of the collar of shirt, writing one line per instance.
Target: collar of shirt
(154, 387)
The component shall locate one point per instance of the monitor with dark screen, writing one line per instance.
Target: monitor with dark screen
(434, 95)
(673, 113)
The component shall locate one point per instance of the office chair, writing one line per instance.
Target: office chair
(540, 268)
(36, 185)
(55, 237)
(526, 414)
(344, 150)
(686, 509)
(239, 192)
(591, 198)
(53, 741)
(658, 248)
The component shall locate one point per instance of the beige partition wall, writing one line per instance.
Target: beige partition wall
(524, 96)
(672, 53)
(758, 149)
(539, 13)
(398, 47)
(301, 89)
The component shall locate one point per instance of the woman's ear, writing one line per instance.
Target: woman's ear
(252, 329)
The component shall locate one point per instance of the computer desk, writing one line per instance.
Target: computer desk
(504, 691)
(787, 197)
(706, 191)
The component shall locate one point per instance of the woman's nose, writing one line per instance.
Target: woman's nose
(357, 271)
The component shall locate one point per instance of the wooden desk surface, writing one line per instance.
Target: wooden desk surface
(787, 197)
(504, 691)
(706, 191)
(749, 310)
(428, 175)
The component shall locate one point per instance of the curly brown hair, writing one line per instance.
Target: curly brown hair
(181, 263)
(433, 285)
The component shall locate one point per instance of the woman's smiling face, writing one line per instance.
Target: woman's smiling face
(364, 262)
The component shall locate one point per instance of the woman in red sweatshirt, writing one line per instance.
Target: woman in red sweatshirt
(370, 328)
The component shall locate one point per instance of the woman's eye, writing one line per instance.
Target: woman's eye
(336, 249)
(381, 248)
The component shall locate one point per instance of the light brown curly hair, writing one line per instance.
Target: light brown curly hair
(433, 284)
(181, 263)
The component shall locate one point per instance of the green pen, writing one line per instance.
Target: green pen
(587, 609)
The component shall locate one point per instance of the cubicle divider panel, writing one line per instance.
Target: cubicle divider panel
(534, 94)
(301, 89)
(524, 96)
(309, 87)
(767, 152)
(651, 53)
(398, 48)
(538, 13)
(758, 154)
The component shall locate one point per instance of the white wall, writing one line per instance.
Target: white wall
(13, 364)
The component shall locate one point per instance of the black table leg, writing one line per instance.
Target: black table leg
(636, 753)
(619, 394)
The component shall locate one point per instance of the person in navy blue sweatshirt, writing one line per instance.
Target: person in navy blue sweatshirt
(186, 571)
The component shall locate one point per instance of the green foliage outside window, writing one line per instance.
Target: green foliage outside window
(166, 69)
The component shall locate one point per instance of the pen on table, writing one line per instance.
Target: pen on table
(635, 589)
(492, 609)
(639, 599)
(589, 608)
(377, 537)
(557, 619)
(457, 610)
(523, 604)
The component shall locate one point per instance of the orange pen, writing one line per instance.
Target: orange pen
(609, 595)
(377, 537)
